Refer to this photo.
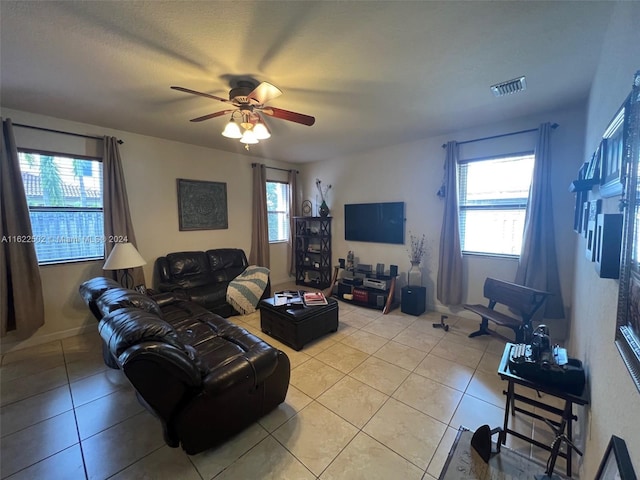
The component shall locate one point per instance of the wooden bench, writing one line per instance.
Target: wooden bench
(524, 300)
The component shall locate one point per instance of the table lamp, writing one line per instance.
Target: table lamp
(124, 256)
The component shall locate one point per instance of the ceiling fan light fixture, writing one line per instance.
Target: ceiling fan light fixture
(246, 100)
(249, 138)
(232, 130)
(261, 131)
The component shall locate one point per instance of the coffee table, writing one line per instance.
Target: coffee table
(296, 325)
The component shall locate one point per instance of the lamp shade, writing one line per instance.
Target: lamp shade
(232, 130)
(261, 131)
(123, 256)
(249, 138)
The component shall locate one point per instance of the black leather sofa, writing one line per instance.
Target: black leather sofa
(201, 375)
(203, 277)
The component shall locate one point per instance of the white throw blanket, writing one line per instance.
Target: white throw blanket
(244, 291)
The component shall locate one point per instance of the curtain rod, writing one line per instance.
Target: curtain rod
(554, 126)
(120, 142)
(276, 168)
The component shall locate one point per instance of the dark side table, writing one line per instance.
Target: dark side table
(566, 416)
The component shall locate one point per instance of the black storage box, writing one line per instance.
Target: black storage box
(300, 325)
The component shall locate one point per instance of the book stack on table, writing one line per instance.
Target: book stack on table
(314, 298)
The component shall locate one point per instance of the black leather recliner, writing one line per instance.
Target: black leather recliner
(203, 277)
(202, 376)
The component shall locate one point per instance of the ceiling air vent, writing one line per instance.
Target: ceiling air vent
(511, 86)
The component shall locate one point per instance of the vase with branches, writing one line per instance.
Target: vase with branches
(416, 251)
(323, 190)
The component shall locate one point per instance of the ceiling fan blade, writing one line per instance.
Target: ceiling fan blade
(211, 115)
(264, 93)
(193, 92)
(290, 116)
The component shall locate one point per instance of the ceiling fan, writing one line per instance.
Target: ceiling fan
(247, 101)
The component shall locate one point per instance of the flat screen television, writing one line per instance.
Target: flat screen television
(374, 222)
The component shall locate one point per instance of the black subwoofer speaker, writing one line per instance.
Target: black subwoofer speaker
(413, 300)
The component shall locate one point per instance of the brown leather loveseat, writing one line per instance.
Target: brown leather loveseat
(204, 377)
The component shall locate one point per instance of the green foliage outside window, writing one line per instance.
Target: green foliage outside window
(278, 211)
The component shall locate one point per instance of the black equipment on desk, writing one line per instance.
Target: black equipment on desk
(350, 280)
(545, 364)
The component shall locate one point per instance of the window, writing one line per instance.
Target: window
(493, 201)
(278, 211)
(64, 196)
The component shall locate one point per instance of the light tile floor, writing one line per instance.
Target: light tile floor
(381, 398)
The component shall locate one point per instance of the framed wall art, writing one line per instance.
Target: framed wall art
(593, 170)
(595, 208)
(616, 463)
(202, 205)
(585, 217)
(578, 212)
(581, 197)
(612, 146)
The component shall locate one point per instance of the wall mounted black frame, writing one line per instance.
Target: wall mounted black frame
(582, 195)
(608, 244)
(595, 165)
(591, 232)
(616, 462)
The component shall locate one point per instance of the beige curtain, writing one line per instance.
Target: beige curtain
(449, 288)
(259, 227)
(21, 302)
(538, 265)
(117, 219)
(294, 210)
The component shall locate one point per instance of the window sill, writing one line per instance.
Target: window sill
(491, 255)
(275, 242)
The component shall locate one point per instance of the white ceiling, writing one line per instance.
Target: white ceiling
(372, 73)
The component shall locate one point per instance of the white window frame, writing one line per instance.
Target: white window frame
(285, 212)
(89, 245)
(515, 204)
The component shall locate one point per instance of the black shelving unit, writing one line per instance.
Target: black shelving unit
(371, 297)
(313, 251)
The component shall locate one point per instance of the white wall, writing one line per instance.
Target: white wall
(615, 401)
(151, 166)
(412, 172)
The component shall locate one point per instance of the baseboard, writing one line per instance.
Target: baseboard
(9, 346)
